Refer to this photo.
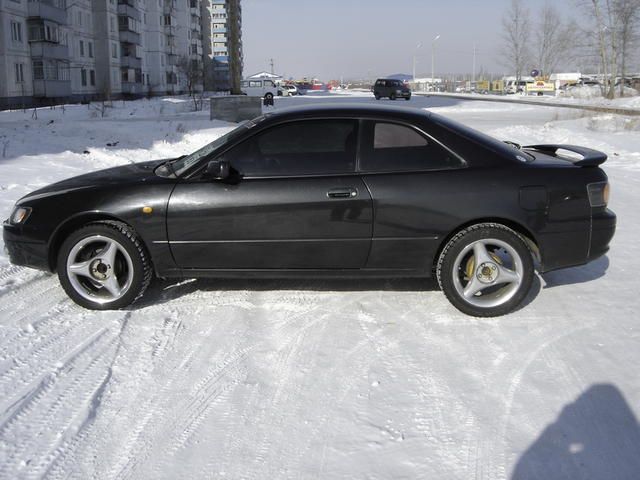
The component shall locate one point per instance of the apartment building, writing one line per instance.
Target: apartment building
(53, 51)
(222, 42)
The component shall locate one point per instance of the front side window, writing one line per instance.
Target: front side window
(310, 147)
(391, 147)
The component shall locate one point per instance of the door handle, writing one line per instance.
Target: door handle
(342, 193)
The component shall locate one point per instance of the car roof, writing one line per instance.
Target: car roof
(347, 110)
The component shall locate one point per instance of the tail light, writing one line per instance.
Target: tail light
(598, 194)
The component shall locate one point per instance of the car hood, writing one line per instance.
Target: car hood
(130, 173)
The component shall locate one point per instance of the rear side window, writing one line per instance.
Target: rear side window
(391, 147)
(310, 147)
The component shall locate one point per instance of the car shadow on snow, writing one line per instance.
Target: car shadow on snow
(162, 291)
(581, 274)
(597, 436)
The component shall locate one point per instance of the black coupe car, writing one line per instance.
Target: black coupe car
(326, 191)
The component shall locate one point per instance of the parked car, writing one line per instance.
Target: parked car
(261, 88)
(325, 191)
(287, 90)
(392, 89)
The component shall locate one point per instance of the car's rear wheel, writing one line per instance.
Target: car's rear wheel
(485, 270)
(104, 266)
(377, 96)
(407, 98)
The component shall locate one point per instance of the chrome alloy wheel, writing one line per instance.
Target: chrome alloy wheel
(487, 273)
(99, 269)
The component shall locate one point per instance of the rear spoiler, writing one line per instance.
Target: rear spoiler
(590, 157)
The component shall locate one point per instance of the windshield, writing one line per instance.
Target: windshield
(181, 165)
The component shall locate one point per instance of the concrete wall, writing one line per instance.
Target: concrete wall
(235, 108)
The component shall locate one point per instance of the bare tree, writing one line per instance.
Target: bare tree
(193, 71)
(628, 12)
(614, 23)
(516, 37)
(553, 39)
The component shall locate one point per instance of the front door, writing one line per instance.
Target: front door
(299, 204)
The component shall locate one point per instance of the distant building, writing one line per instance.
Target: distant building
(267, 75)
(54, 51)
(222, 43)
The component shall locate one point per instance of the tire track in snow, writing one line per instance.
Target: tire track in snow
(42, 418)
(190, 414)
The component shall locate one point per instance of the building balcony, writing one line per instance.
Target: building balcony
(132, 88)
(219, 30)
(45, 49)
(129, 11)
(173, 60)
(127, 36)
(51, 88)
(131, 62)
(51, 10)
(195, 12)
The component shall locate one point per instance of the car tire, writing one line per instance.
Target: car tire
(268, 96)
(407, 98)
(392, 96)
(104, 266)
(477, 289)
(377, 96)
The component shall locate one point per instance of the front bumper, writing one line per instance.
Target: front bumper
(25, 253)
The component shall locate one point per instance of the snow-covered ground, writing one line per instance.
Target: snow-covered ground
(316, 379)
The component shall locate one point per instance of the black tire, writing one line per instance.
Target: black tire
(392, 96)
(377, 96)
(131, 267)
(268, 96)
(407, 98)
(500, 243)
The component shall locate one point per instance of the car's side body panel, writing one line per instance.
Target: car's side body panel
(271, 223)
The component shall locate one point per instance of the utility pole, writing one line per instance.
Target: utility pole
(272, 71)
(433, 48)
(473, 78)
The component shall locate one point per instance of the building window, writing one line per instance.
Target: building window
(39, 33)
(114, 50)
(81, 48)
(16, 31)
(38, 70)
(92, 77)
(19, 73)
(83, 77)
(112, 24)
(90, 49)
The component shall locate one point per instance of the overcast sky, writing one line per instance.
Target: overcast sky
(328, 39)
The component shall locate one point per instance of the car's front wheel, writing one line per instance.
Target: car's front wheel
(486, 270)
(104, 266)
(392, 96)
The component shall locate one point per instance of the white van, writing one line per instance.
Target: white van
(259, 88)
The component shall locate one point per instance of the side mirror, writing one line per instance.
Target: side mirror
(217, 170)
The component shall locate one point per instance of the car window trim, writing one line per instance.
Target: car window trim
(464, 163)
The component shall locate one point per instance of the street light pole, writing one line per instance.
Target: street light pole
(433, 48)
(414, 61)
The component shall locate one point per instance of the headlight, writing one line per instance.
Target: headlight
(20, 215)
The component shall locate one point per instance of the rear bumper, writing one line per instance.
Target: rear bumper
(24, 253)
(603, 227)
